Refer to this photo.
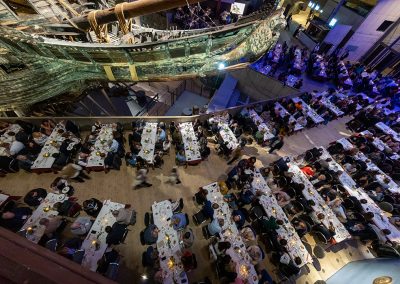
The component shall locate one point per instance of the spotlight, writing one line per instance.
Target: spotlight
(310, 4)
(332, 22)
(144, 277)
(317, 7)
(221, 66)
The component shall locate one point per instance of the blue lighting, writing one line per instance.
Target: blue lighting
(332, 22)
(221, 66)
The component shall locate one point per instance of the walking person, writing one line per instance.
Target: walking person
(141, 179)
(276, 143)
(288, 21)
(236, 154)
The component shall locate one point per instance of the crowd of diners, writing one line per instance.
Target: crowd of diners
(278, 118)
(283, 61)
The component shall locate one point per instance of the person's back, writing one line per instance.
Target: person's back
(116, 234)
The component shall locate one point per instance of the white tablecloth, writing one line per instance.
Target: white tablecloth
(101, 146)
(52, 146)
(380, 145)
(168, 244)
(386, 129)
(191, 145)
(230, 233)
(327, 103)
(380, 219)
(294, 245)
(44, 210)
(262, 125)
(310, 193)
(308, 111)
(291, 80)
(283, 112)
(149, 137)
(228, 136)
(98, 234)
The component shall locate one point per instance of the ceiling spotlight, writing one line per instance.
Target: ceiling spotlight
(317, 7)
(221, 66)
(144, 277)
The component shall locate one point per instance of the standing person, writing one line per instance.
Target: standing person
(296, 32)
(141, 179)
(174, 176)
(276, 143)
(236, 154)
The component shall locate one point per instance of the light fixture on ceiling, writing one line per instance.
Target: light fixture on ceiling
(221, 66)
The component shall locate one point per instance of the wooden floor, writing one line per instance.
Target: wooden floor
(116, 185)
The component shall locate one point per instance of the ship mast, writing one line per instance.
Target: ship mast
(130, 10)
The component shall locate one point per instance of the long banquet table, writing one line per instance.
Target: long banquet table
(310, 193)
(387, 130)
(228, 136)
(294, 247)
(95, 244)
(230, 233)
(35, 231)
(380, 219)
(309, 111)
(262, 125)
(283, 112)
(101, 147)
(148, 141)
(191, 145)
(168, 244)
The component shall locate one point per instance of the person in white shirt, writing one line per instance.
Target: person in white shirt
(114, 146)
(39, 138)
(16, 147)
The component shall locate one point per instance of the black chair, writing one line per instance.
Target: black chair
(147, 219)
(125, 235)
(52, 245)
(199, 218)
(206, 232)
(298, 206)
(389, 199)
(348, 203)
(78, 256)
(357, 216)
(291, 192)
(256, 212)
(187, 219)
(142, 241)
(180, 207)
(112, 271)
(320, 236)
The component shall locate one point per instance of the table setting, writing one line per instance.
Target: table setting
(326, 102)
(308, 111)
(387, 130)
(310, 193)
(35, 231)
(101, 147)
(283, 112)
(168, 244)
(228, 136)
(148, 142)
(261, 125)
(50, 150)
(95, 244)
(7, 138)
(191, 145)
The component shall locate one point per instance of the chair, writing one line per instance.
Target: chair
(78, 256)
(112, 271)
(348, 203)
(180, 207)
(199, 218)
(52, 245)
(320, 236)
(256, 212)
(206, 232)
(298, 206)
(187, 219)
(386, 206)
(147, 219)
(358, 217)
(291, 192)
(319, 251)
(125, 235)
(389, 199)
(142, 241)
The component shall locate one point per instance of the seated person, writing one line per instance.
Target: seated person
(81, 225)
(189, 260)
(151, 234)
(201, 196)
(35, 197)
(208, 209)
(15, 218)
(59, 184)
(125, 215)
(246, 196)
(115, 233)
(187, 238)
(178, 221)
(51, 223)
(150, 257)
(68, 208)
(248, 236)
(300, 226)
(92, 207)
(239, 218)
(220, 248)
(109, 256)
(180, 157)
(215, 227)
(255, 253)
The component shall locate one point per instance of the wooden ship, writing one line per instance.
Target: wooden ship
(67, 46)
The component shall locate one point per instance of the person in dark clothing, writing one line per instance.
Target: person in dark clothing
(35, 196)
(276, 143)
(115, 233)
(92, 206)
(109, 256)
(239, 218)
(208, 209)
(15, 218)
(150, 256)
